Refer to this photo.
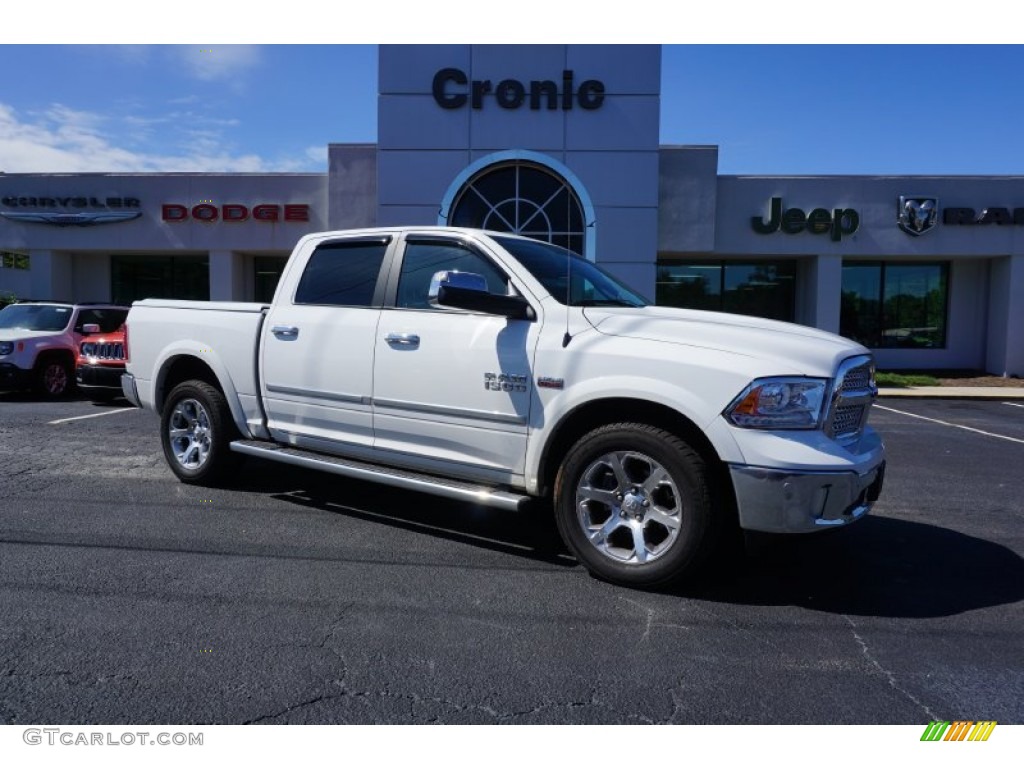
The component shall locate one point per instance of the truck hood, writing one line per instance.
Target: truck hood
(789, 349)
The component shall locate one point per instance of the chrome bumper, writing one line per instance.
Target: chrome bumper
(779, 501)
(129, 390)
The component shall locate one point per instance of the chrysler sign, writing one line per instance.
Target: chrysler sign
(71, 210)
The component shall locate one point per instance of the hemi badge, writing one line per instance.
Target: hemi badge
(545, 382)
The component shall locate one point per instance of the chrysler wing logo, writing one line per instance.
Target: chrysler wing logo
(917, 214)
(72, 219)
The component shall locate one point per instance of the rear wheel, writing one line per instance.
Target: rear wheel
(633, 503)
(53, 378)
(196, 431)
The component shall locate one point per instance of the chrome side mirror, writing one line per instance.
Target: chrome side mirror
(90, 328)
(469, 281)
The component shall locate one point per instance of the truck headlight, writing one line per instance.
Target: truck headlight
(779, 403)
(6, 347)
(88, 349)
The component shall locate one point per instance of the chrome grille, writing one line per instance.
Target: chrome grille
(857, 378)
(847, 420)
(853, 393)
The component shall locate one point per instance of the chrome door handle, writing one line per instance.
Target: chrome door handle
(403, 339)
(285, 331)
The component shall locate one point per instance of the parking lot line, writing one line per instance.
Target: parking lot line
(90, 416)
(951, 424)
(1015, 405)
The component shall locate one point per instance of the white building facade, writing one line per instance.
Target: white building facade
(559, 142)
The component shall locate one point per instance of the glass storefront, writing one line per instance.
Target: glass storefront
(887, 304)
(14, 260)
(759, 288)
(268, 270)
(159, 277)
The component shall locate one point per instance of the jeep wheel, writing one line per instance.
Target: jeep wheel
(196, 431)
(633, 504)
(53, 378)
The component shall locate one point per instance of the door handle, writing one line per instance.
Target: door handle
(403, 339)
(285, 331)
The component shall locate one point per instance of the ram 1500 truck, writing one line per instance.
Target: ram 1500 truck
(494, 368)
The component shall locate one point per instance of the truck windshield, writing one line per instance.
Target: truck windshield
(35, 317)
(589, 285)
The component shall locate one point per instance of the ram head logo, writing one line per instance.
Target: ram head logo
(917, 215)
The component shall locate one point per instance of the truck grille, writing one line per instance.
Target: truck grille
(857, 378)
(114, 351)
(854, 392)
(847, 420)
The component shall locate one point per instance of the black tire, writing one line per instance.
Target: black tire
(200, 452)
(53, 378)
(634, 504)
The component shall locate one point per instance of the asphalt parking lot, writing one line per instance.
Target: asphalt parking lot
(292, 597)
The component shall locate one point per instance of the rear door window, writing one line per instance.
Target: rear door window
(343, 274)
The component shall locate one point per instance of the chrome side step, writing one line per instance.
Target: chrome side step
(399, 478)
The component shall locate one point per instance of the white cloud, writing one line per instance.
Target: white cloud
(65, 140)
(216, 62)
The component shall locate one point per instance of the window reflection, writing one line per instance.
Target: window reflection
(761, 288)
(895, 305)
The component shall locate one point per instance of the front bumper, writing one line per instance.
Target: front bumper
(13, 377)
(99, 377)
(782, 501)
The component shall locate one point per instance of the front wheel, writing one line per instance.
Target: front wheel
(53, 378)
(633, 503)
(196, 431)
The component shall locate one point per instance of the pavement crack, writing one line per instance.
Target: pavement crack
(293, 707)
(885, 672)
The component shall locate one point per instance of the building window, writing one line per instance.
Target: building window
(759, 288)
(523, 198)
(895, 305)
(268, 271)
(159, 277)
(13, 260)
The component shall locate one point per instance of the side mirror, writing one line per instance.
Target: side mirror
(90, 328)
(467, 280)
(466, 290)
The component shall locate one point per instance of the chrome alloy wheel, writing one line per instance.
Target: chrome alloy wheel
(190, 433)
(55, 379)
(629, 507)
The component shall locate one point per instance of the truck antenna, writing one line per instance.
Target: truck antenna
(568, 267)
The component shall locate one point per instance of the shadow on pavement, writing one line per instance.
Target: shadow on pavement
(530, 534)
(879, 567)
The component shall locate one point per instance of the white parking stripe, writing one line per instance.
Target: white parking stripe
(1015, 405)
(91, 416)
(951, 424)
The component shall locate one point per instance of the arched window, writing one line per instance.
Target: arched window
(524, 198)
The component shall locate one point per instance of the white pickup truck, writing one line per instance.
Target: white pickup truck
(494, 368)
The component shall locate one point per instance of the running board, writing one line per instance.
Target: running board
(399, 478)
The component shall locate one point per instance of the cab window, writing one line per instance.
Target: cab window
(342, 274)
(109, 320)
(423, 259)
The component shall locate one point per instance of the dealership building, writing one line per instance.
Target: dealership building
(559, 142)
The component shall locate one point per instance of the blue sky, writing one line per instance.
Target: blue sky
(771, 109)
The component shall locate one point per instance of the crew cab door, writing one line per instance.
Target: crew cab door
(318, 344)
(451, 387)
